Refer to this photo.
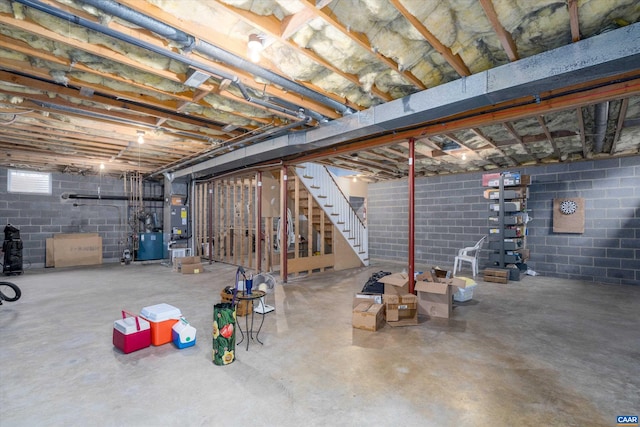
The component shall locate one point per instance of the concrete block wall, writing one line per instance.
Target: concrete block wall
(40, 216)
(451, 213)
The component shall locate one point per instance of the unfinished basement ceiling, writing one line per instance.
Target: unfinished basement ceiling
(80, 80)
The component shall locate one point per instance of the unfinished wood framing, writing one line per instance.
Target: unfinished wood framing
(200, 232)
(225, 217)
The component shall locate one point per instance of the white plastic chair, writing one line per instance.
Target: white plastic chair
(470, 255)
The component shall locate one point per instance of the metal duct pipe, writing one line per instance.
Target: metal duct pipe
(601, 117)
(270, 133)
(214, 52)
(184, 40)
(98, 197)
(291, 105)
(139, 43)
(238, 62)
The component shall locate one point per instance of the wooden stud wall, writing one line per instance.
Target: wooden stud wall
(229, 205)
(200, 232)
(225, 214)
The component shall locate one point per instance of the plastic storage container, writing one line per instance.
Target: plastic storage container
(183, 334)
(162, 317)
(464, 294)
(131, 334)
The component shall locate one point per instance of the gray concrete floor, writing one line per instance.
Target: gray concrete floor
(539, 352)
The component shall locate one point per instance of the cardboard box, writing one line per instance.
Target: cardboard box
(178, 262)
(191, 268)
(395, 284)
(440, 272)
(434, 299)
(401, 310)
(516, 193)
(376, 298)
(368, 315)
(73, 249)
(510, 179)
(524, 253)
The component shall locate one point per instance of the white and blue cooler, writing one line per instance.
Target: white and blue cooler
(183, 334)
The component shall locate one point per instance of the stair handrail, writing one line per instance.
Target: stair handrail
(343, 195)
(343, 216)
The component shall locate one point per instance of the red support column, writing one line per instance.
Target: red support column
(210, 219)
(412, 146)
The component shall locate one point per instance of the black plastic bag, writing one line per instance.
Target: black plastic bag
(373, 286)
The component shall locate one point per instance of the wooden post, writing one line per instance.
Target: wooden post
(258, 232)
(227, 228)
(296, 216)
(210, 232)
(283, 223)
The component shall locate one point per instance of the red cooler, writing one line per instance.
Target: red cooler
(131, 333)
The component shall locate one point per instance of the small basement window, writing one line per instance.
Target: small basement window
(20, 181)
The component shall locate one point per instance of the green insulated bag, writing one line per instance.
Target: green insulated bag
(224, 333)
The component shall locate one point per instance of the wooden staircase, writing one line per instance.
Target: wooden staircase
(319, 219)
(320, 184)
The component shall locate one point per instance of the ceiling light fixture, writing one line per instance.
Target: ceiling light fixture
(464, 156)
(101, 166)
(254, 47)
(140, 137)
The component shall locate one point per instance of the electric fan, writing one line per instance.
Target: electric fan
(263, 282)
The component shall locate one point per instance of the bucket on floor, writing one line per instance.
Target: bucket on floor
(183, 334)
(162, 317)
(131, 333)
(224, 333)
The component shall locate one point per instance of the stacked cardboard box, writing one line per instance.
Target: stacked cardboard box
(401, 310)
(188, 265)
(401, 307)
(510, 179)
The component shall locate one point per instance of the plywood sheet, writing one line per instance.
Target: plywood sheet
(77, 249)
(571, 218)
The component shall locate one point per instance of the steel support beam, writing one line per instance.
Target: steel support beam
(412, 212)
(605, 56)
